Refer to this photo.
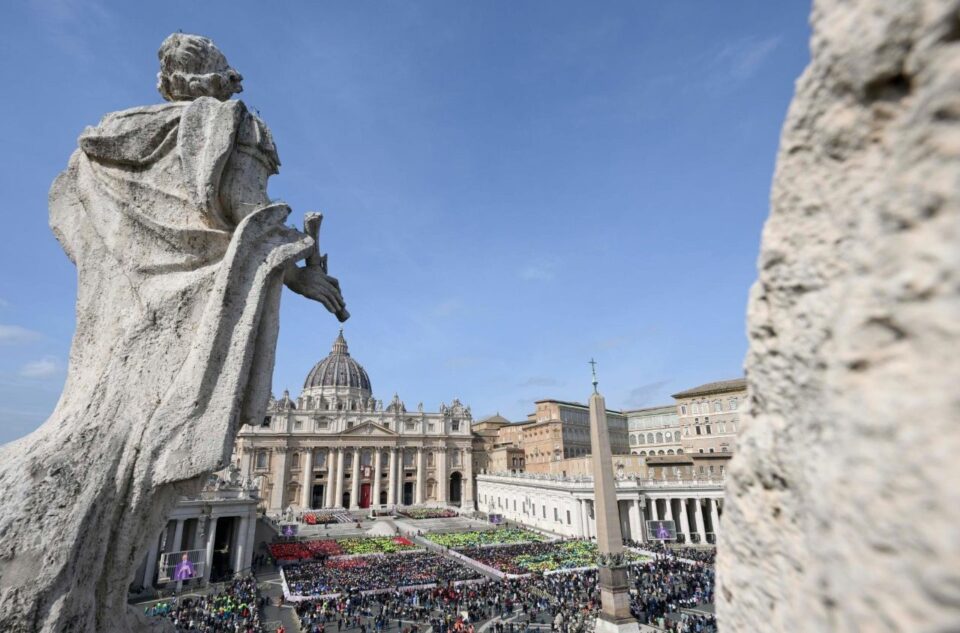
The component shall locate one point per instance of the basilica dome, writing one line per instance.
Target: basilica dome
(338, 372)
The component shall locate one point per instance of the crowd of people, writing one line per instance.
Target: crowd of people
(666, 585)
(567, 603)
(373, 573)
(234, 609)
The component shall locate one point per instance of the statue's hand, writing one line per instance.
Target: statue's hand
(313, 282)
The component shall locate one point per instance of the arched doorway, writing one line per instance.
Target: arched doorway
(346, 500)
(383, 498)
(456, 481)
(408, 493)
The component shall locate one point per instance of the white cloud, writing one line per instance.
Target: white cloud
(43, 368)
(11, 334)
(448, 308)
(743, 58)
(642, 396)
(539, 271)
(539, 381)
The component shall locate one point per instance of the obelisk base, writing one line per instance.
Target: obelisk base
(614, 601)
(604, 625)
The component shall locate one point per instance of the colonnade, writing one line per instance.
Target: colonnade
(201, 538)
(696, 518)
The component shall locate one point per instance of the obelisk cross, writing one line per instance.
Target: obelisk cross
(593, 368)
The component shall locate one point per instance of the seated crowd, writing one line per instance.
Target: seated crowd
(373, 573)
(567, 603)
(235, 609)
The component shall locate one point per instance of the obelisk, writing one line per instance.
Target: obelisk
(614, 592)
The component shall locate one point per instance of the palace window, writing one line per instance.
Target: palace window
(717, 407)
(732, 404)
(408, 425)
(455, 425)
(683, 409)
(295, 461)
(262, 459)
(322, 424)
(297, 425)
(266, 422)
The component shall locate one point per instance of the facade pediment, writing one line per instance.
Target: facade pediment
(367, 429)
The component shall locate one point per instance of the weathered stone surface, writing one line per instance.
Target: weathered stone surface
(843, 507)
(180, 260)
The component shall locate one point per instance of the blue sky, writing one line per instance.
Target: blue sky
(510, 188)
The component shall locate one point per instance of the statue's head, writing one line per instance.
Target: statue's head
(191, 66)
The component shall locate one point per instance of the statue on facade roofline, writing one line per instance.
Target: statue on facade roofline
(181, 257)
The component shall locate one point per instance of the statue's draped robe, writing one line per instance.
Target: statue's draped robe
(174, 349)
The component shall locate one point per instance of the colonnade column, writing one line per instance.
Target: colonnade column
(152, 556)
(279, 477)
(636, 521)
(177, 536)
(684, 521)
(714, 518)
(338, 491)
(211, 539)
(582, 515)
(699, 519)
(421, 466)
(392, 478)
(331, 471)
(251, 536)
(306, 490)
(375, 488)
(355, 481)
(443, 482)
(241, 546)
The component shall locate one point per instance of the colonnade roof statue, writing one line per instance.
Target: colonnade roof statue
(180, 258)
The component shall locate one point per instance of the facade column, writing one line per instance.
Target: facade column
(443, 481)
(375, 488)
(306, 491)
(654, 510)
(684, 521)
(246, 462)
(211, 539)
(714, 518)
(355, 480)
(240, 546)
(466, 482)
(279, 477)
(152, 555)
(338, 491)
(331, 471)
(421, 466)
(582, 516)
(668, 516)
(177, 536)
(699, 519)
(392, 478)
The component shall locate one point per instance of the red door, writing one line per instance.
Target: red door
(364, 495)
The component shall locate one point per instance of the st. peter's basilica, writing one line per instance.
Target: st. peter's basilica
(336, 446)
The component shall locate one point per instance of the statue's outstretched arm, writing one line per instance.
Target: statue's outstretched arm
(312, 280)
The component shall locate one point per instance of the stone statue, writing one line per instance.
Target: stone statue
(180, 257)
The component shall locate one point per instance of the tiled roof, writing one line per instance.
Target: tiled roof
(714, 387)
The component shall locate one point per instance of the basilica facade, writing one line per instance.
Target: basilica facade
(336, 446)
